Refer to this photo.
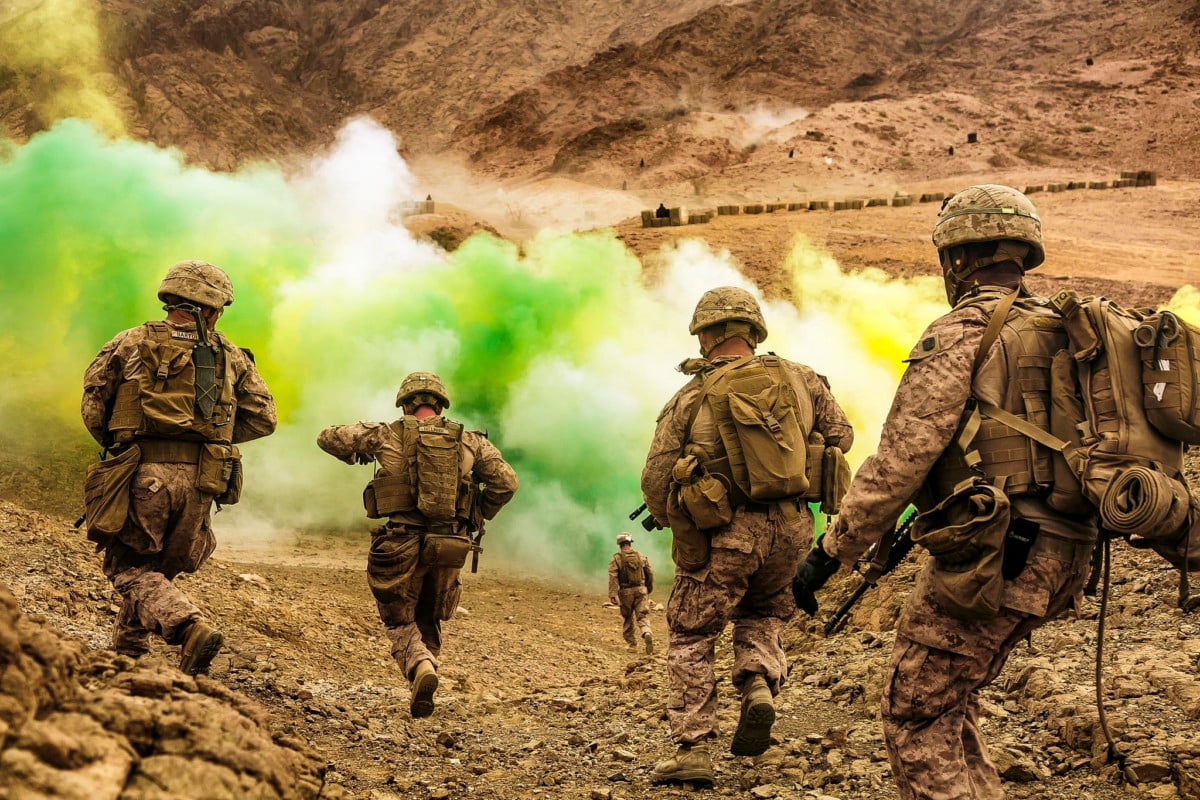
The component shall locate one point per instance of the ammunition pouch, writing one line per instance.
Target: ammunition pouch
(388, 494)
(106, 494)
(828, 477)
(965, 534)
(444, 550)
(690, 546)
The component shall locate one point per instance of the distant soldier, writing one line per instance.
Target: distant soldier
(727, 472)
(662, 212)
(169, 400)
(630, 582)
(436, 484)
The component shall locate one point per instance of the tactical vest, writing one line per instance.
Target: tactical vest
(762, 426)
(162, 399)
(1040, 390)
(629, 570)
(428, 479)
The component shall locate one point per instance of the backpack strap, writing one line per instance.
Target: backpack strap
(712, 378)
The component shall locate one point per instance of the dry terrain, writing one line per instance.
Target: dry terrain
(587, 113)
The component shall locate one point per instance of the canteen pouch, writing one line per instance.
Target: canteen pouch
(106, 494)
(965, 535)
(390, 565)
(444, 550)
(702, 496)
(215, 467)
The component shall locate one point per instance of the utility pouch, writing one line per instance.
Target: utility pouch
(1066, 415)
(1018, 541)
(106, 494)
(390, 565)
(690, 547)
(1170, 355)
(216, 468)
(965, 535)
(835, 480)
(444, 550)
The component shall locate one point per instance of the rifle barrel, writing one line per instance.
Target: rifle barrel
(839, 616)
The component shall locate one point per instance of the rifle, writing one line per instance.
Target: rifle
(649, 523)
(895, 549)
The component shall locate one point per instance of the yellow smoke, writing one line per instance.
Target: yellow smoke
(1186, 303)
(52, 50)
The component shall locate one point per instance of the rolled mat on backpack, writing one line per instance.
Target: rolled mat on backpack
(1145, 502)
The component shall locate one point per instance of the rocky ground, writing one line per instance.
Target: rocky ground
(541, 699)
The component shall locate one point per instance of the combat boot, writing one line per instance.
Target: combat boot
(648, 638)
(753, 734)
(200, 645)
(690, 764)
(424, 684)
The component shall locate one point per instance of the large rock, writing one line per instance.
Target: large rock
(93, 725)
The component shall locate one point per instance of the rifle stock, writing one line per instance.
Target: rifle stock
(898, 546)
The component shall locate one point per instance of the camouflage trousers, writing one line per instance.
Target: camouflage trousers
(168, 532)
(930, 700)
(748, 581)
(635, 613)
(413, 599)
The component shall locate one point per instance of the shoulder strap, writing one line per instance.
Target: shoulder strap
(712, 378)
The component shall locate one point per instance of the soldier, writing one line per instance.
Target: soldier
(946, 649)
(436, 483)
(734, 555)
(173, 397)
(630, 582)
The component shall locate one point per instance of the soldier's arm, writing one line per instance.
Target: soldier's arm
(256, 416)
(828, 417)
(100, 381)
(498, 478)
(613, 586)
(348, 442)
(649, 575)
(923, 419)
(664, 452)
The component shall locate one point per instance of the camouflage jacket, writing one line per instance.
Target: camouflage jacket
(375, 440)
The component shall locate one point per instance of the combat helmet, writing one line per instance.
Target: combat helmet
(198, 281)
(987, 213)
(416, 383)
(624, 538)
(728, 304)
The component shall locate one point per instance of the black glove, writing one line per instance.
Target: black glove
(814, 571)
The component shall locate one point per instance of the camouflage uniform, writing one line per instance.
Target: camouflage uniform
(414, 610)
(169, 530)
(635, 608)
(748, 576)
(930, 697)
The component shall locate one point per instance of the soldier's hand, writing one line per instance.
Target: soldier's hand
(613, 600)
(363, 458)
(814, 572)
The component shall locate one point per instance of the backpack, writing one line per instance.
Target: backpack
(428, 481)
(629, 567)
(1125, 396)
(762, 423)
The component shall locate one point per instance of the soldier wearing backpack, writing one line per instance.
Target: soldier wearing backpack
(168, 401)
(1004, 519)
(630, 582)
(435, 485)
(734, 458)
